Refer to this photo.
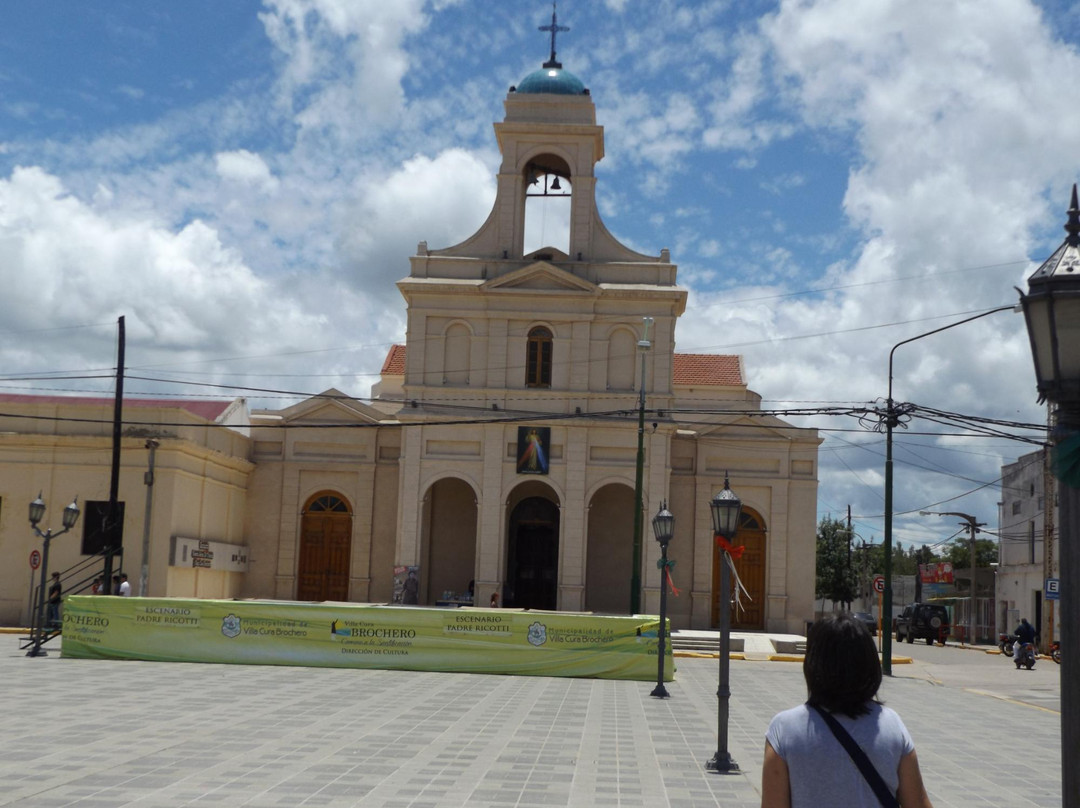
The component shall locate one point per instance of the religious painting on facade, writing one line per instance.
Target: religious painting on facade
(407, 585)
(532, 451)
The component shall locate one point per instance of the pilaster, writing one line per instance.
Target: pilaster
(410, 506)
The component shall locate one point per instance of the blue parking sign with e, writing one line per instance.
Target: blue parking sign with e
(1053, 589)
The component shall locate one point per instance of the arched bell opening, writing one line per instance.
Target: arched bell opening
(547, 204)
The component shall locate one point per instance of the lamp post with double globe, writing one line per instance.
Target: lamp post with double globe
(70, 517)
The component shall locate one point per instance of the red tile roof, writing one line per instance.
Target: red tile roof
(395, 361)
(699, 369)
(209, 410)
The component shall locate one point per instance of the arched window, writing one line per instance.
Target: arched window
(456, 355)
(538, 358)
(326, 503)
(622, 348)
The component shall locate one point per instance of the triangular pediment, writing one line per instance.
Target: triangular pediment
(759, 427)
(541, 276)
(330, 406)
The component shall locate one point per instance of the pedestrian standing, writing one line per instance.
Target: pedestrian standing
(842, 747)
(56, 594)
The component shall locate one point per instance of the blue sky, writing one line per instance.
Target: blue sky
(245, 181)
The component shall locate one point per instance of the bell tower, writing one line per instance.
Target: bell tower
(569, 293)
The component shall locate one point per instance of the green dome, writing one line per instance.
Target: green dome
(552, 80)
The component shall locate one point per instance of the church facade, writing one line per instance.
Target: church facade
(500, 447)
(498, 454)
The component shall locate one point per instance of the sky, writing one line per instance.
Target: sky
(244, 182)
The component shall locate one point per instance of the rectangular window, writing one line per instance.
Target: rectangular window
(98, 533)
(1017, 506)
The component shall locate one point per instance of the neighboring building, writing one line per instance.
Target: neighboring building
(1025, 558)
(61, 447)
(500, 447)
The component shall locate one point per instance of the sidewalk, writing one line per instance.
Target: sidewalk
(158, 735)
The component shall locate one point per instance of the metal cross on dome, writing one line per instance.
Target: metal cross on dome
(554, 28)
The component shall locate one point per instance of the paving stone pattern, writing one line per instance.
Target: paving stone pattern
(157, 735)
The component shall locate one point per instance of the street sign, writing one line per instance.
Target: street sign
(879, 583)
(35, 559)
(1052, 590)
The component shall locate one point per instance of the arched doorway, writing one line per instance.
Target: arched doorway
(325, 549)
(751, 569)
(609, 557)
(532, 559)
(448, 543)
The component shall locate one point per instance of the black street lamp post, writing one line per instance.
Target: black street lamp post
(70, 517)
(664, 527)
(725, 507)
(892, 417)
(1052, 312)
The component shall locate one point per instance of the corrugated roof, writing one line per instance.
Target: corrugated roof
(697, 369)
(209, 410)
(395, 361)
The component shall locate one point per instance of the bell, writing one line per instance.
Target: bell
(555, 185)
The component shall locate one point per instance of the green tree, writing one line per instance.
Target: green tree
(986, 553)
(835, 574)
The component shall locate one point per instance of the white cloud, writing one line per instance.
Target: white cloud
(244, 167)
(343, 60)
(440, 200)
(180, 291)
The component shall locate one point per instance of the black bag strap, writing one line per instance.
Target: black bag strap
(881, 790)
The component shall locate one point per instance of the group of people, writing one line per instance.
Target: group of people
(120, 586)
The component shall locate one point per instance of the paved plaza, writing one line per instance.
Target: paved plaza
(160, 735)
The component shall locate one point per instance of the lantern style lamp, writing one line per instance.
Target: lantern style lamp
(664, 528)
(1052, 312)
(726, 508)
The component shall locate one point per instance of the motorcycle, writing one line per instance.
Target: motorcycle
(1026, 656)
(1055, 651)
(1005, 643)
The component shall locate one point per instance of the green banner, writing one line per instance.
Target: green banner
(360, 636)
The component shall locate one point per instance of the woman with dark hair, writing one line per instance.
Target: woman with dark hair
(812, 752)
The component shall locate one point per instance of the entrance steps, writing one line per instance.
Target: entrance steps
(751, 645)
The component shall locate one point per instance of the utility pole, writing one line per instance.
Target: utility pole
(851, 594)
(973, 526)
(635, 572)
(114, 528)
(148, 479)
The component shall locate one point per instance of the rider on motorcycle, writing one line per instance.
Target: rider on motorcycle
(1025, 633)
